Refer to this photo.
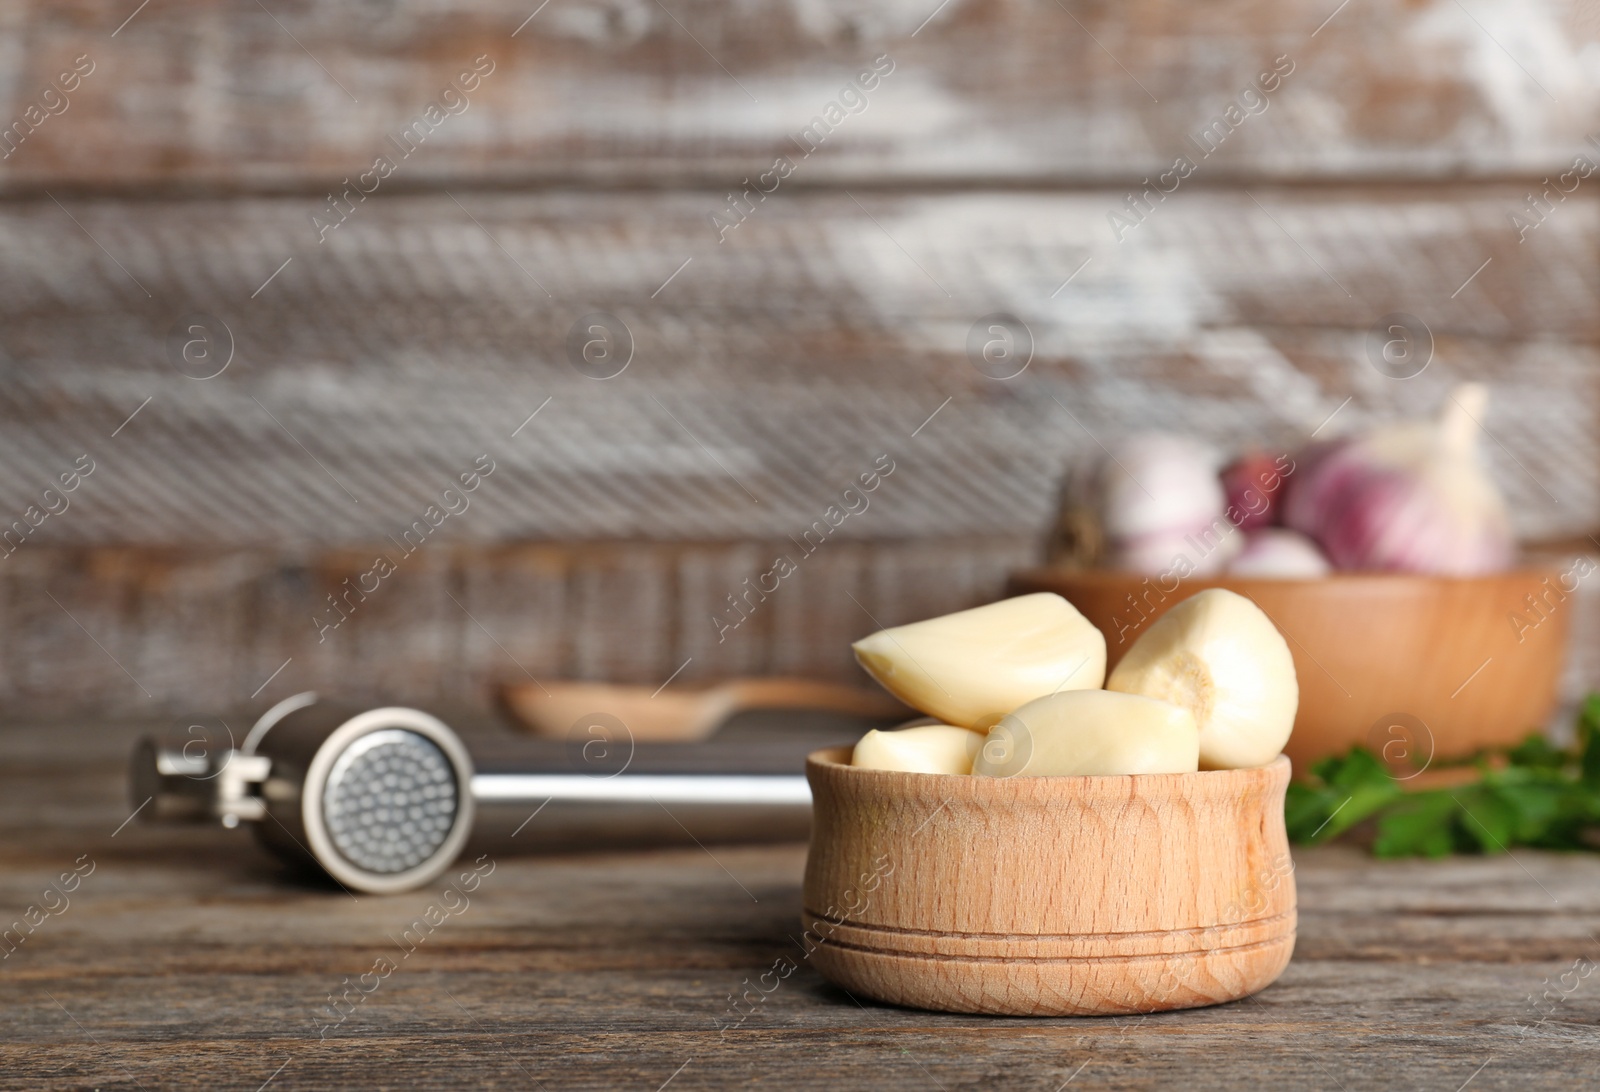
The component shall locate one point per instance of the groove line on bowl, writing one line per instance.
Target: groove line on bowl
(938, 934)
(1279, 940)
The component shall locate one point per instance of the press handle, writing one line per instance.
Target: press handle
(172, 782)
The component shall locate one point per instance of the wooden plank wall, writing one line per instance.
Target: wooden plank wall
(380, 343)
(294, 95)
(202, 630)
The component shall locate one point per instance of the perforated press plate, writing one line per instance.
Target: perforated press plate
(389, 801)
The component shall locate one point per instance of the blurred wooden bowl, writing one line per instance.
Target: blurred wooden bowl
(1048, 896)
(1414, 667)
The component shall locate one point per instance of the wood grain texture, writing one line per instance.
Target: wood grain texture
(191, 630)
(291, 95)
(202, 629)
(1048, 896)
(771, 372)
(1412, 667)
(187, 960)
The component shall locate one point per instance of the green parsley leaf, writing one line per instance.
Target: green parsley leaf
(1532, 794)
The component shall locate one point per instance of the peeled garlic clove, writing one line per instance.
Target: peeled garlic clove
(1219, 656)
(973, 667)
(1091, 732)
(1275, 552)
(928, 748)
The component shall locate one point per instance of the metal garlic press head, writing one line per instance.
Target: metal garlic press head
(380, 799)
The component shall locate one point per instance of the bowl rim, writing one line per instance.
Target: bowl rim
(826, 762)
(1044, 578)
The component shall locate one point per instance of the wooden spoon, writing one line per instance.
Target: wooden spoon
(683, 713)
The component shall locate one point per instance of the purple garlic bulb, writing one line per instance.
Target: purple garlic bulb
(1410, 497)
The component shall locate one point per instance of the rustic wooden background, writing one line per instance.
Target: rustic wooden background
(768, 369)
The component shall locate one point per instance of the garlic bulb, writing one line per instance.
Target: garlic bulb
(1219, 656)
(1151, 499)
(973, 667)
(1275, 552)
(1409, 497)
(1254, 486)
(1206, 551)
(1158, 483)
(927, 748)
(1091, 732)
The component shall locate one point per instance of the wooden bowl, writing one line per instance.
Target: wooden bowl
(1414, 667)
(1048, 896)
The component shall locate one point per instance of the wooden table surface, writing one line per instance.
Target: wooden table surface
(187, 959)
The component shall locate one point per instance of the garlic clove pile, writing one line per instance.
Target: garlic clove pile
(973, 667)
(1091, 732)
(1409, 497)
(927, 748)
(1219, 656)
